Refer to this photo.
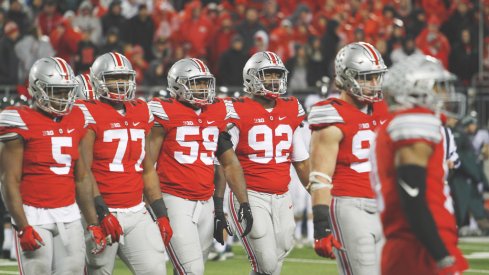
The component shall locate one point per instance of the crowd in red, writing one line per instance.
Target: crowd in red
(306, 34)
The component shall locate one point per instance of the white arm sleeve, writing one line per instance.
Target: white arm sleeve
(234, 132)
(300, 143)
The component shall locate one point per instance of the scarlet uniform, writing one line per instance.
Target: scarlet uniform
(351, 176)
(189, 147)
(118, 149)
(408, 127)
(265, 142)
(50, 152)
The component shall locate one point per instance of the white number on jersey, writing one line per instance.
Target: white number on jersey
(65, 159)
(123, 136)
(260, 138)
(359, 139)
(209, 136)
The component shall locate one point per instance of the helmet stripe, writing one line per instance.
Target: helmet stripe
(62, 65)
(200, 64)
(271, 57)
(372, 52)
(117, 58)
(88, 86)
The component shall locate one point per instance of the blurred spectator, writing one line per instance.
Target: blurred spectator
(260, 43)
(396, 37)
(162, 49)
(359, 35)
(408, 47)
(64, 40)
(231, 63)
(316, 68)
(461, 18)
(87, 52)
(417, 22)
(49, 18)
(464, 60)
(112, 42)
(381, 46)
(195, 29)
(140, 30)
(221, 41)
(330, 42)
(438, 8)
(29, 49)
(130, 8)
(136, 55)
(113, 18)
(8, 59)
(156, 73)
(16, 13)
(486, 53)
(249, 27)
(282, 40)
(298, 69)
(432, 42)
(87, 23)
(271, 16)
(3, 20)
(165, 19)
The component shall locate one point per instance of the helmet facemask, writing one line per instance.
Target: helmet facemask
(365, 86)
(269, 82)
(118, 85)
(54, 99)
(198, 91)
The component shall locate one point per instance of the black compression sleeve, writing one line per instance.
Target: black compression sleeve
(322, 227)
(224, 143)
(411, 181)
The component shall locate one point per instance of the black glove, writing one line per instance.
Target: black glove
(220, 222)
(244, 213)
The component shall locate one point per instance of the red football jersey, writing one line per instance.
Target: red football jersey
(119, 149)
(351, 175)
(404, 128)
(50, 152)
(265, 141)
(186, 159)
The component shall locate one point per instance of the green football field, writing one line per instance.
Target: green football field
(301, 261)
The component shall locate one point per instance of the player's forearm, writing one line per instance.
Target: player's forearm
(234, 175)
(13, 201)
(219, 181)
(302, 169)
(152, 191)
(84, 199)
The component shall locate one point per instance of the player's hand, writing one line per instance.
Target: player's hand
(324, 246)
(98, 238)
(29, 239)
(244, 214)
(221, 224)
(448, 266)
(112, 228)
(165, 229)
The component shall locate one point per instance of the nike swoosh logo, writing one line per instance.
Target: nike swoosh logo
(135, 123)
(281, 118)
(413, 192)
(383, 121)
(210, 122)
(70, 131)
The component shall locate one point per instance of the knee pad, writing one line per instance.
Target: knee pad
(267, 263)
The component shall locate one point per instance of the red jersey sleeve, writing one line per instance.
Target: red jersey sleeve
(12, 124)
(409, 128)
(160, 117)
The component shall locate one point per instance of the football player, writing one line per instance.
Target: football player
(85, 88)
(116, 147)
(189, 134)
(45, 180)
(343, 130)
(267, 142)
(408, 174)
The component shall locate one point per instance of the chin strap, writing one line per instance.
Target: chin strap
(316, 184)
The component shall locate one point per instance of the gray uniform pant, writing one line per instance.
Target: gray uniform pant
(63, 252)
(193, 231)
(272, 235)
(356, 225)
(140, 248)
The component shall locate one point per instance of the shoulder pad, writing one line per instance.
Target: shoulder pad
(415, 126)
(157, 110)
(324, 114)
(12, 118)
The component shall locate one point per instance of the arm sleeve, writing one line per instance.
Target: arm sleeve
(299, 147)
(234, 132)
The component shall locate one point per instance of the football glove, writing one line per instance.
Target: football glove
(29, 239)
(165, 229)
(220, 221)
(109, 223)
(324, 240)
(98, 238)
(244, 214)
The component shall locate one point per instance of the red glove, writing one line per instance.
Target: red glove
(112, 228)
(29, 239)
(324, 246)
(165, 229)
(98, 237)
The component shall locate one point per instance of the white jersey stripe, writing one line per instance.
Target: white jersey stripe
(415, 126)
(88, 116)
(12, 118)
(324, 114)
(157, 110)
(230, 111)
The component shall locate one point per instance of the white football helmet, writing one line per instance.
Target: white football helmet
(359, 70)
(52, 85)
(109, 67)
(85, 88)
(421, 80)
(254, 71)
(190, 80)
